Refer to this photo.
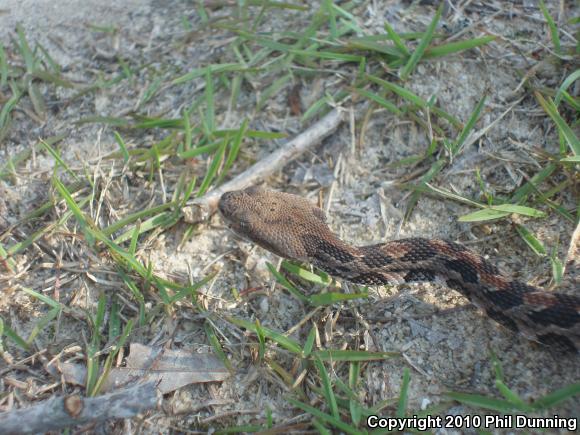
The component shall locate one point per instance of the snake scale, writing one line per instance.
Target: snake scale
(292, 227)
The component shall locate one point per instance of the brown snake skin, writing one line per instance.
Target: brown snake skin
(292, 227)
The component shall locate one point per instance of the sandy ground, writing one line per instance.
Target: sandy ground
(447, 350)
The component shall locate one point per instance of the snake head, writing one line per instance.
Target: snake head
(237, 210)
(277, 221)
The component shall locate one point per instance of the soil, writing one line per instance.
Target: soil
(444, 342)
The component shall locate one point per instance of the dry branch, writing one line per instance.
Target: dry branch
(572, 262)
(204, 206)
(60, 413)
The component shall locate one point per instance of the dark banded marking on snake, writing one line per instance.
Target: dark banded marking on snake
(294, 228)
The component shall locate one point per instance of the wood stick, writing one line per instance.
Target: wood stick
(572, 262)
(62, 412)
(202, 207)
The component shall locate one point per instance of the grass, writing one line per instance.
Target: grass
(107, 216)
(511, 401)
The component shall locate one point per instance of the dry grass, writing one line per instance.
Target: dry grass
(94, 252)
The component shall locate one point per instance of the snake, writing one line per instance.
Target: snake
(292, 227)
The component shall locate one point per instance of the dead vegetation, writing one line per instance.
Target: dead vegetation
(458, 121)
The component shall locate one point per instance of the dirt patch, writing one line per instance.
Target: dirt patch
(129, 49)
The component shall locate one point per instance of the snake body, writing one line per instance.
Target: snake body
(292, 227)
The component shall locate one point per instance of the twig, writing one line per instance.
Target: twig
(204, 206)
(59, 413)
(572, 262)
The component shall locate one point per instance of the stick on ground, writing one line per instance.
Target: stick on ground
(60, 413)
(572, 262)
(205, 205)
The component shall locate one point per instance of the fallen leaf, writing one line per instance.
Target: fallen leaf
(171, 369)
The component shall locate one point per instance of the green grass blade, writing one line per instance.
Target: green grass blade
(107, 366)
(558, 396)
(209, 101)
(42, 323)
(234, 150)
(330, 298)
(450, 195)
(274, 89)
(565, 85)
(212, 169)
(46, 76)
(22, 245)
(114, 320)
(478, 401)
(404, 394)
(456, 147)
(379, 100)
(550, 108)
(354, 406)
(500, 211)
(150, 91)
(352, 355)
(327, 418)
(483, 215)
(399, 90)
(530, 186)
(162, 220)
(396, 39)
(216, 345)
(25, 50)
(254, 134)
(429, 175)
(261, 340)
(423, 44)
(320, 278)
(519, 209)
(388, 51)
(285, 342)
(37, 100)
(9, 105)
(329, 55)
(133, 217)
(203, 149)
(553, 28)
(43, 298)
(213, 69)
(191, 290)
(13, 336)
(531, 240)
(109, 120)
(327, 6)
(281, 279)
(557, 269)
(327, 388)
(122, 146)
(3, 67)
(309, 344)
(573, 159)
(134, 239)
(512, 397)
(56, 156)
(75, 209)
(6, 260)
(454, 47)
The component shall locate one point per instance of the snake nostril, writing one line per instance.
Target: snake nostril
(222, 203)
(226, 197)
(226, 204)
